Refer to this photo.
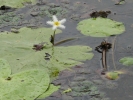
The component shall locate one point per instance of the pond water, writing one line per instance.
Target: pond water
(75, 11)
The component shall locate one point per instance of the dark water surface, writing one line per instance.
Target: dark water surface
(76, 10)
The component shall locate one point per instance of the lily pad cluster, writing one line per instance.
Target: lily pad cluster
(100, 27)
(22, 53)
(14, 3)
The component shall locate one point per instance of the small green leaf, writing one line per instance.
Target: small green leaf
(112, 75)
(100, 27)
(127, 61)
(68, 90)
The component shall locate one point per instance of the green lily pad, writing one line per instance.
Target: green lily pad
(17, 49)
(5, 70)
(15, 3)
(49, 91)
(127, 61)
(27, 85)
(100, 27)
(112, 75)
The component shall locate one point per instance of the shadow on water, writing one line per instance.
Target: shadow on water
(121, 89)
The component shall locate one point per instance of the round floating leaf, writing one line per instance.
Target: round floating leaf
(112, 75)
(15, 3)
(27, 85)
(127, 61)
(100, 27)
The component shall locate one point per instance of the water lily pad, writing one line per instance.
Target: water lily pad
(15, 3)
(18, 50)
(5, 70)
(26, 85)
(49, 91)
(112, 75)
(127, 61)
(100, 27)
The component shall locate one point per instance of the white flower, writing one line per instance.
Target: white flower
(57, 23)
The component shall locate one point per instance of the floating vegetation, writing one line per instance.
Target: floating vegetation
(49, 91)
(127, 61)
(54, 72)
(32, 61)
(48, 10)
(100, 27)
(113, 75)
(15, 3)
(26, 85)
(68, 90)
(29, 48)
(85, 88)
(60, 57)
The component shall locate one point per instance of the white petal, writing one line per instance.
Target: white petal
(61, 26)
(62, 21)
(54, 27)
(50, 22)
(55, 18)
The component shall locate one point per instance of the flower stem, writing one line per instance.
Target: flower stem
(53, 37)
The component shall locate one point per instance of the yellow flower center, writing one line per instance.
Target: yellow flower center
(56, 23)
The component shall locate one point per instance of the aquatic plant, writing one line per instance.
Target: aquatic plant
(103, 48)
(31, 49)
(67, 90)
(15, 3)
(26, 85)
(49, 91)
(113, 75)
(100, 27)
(56, 23)
(127, 61)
